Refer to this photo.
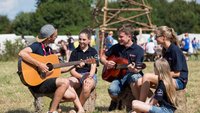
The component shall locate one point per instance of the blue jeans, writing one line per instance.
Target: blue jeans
(179, 84)
(117, 85)
(162, 109)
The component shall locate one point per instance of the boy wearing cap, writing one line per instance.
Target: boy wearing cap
(59, 86)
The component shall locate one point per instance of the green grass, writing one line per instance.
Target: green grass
(16, 98)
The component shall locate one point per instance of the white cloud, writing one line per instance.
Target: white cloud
(12, 7)
(7, 6)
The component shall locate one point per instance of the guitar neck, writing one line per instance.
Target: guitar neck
(66, 64)
(121, 66)
(137, 66)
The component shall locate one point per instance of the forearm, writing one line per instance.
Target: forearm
(175, 74)
(26, 57)
(67, 69)
(103, 60)
(74, 73)
(153, 101)
(93, 69)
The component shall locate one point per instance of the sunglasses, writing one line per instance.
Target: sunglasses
(157, 36)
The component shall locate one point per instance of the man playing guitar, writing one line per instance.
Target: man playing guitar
(133, 53)
(57, 85)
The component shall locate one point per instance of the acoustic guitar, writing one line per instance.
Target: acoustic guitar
(120, 68)
(32, 76)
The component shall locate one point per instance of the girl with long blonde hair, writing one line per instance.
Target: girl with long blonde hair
(164, 98)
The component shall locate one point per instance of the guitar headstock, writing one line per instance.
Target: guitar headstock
(140, 65)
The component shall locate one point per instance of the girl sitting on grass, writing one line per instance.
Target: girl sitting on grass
(164, 98)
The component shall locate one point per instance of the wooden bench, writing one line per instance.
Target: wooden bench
(38, 100)
(126, 97)
(89, 104)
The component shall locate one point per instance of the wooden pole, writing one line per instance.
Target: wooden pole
(102, 28)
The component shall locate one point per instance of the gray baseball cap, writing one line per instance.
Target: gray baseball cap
(45, 32)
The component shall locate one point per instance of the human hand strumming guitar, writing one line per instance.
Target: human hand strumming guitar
(110, 64)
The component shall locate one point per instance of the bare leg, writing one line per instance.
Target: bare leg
(62, 85)
(139, 106)
(135, 88)
(88, 85)
(71, 95)
(146, 80)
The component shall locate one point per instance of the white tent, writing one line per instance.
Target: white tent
(4, 37)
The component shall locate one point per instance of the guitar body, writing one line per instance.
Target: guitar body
(30, 72)
(111, 74)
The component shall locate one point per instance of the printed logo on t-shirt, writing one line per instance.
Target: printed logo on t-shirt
(160, 92)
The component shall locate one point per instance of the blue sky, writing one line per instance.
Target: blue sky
(12, 7)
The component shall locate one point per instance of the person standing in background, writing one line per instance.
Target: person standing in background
(70, 46)
(109, 40)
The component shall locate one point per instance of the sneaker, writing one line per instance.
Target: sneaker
(113, 105)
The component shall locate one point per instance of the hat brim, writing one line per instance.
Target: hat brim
(40, 40)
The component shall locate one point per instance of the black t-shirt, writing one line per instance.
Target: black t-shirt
(177, 62)
(161, 96)
(78, 54)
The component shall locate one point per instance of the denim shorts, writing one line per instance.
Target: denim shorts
(156, 109)
(117, 85)
(179, 84)
(84, 77)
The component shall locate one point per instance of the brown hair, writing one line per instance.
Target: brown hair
(87, 31)
(126, 30)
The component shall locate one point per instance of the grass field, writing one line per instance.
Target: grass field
(16, 98)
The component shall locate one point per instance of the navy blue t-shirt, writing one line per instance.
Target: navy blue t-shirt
(177, 62)
(78, 54)
(37, 49)
(134, 53)
(161, 96)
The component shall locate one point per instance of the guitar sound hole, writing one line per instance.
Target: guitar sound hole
(50, 66)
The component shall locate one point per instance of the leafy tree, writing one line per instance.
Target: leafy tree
(23, 24)
(66, 15)
(5, 25)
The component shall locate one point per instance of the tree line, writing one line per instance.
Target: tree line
(73, 15)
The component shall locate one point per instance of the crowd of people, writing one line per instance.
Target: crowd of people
(170, 69)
